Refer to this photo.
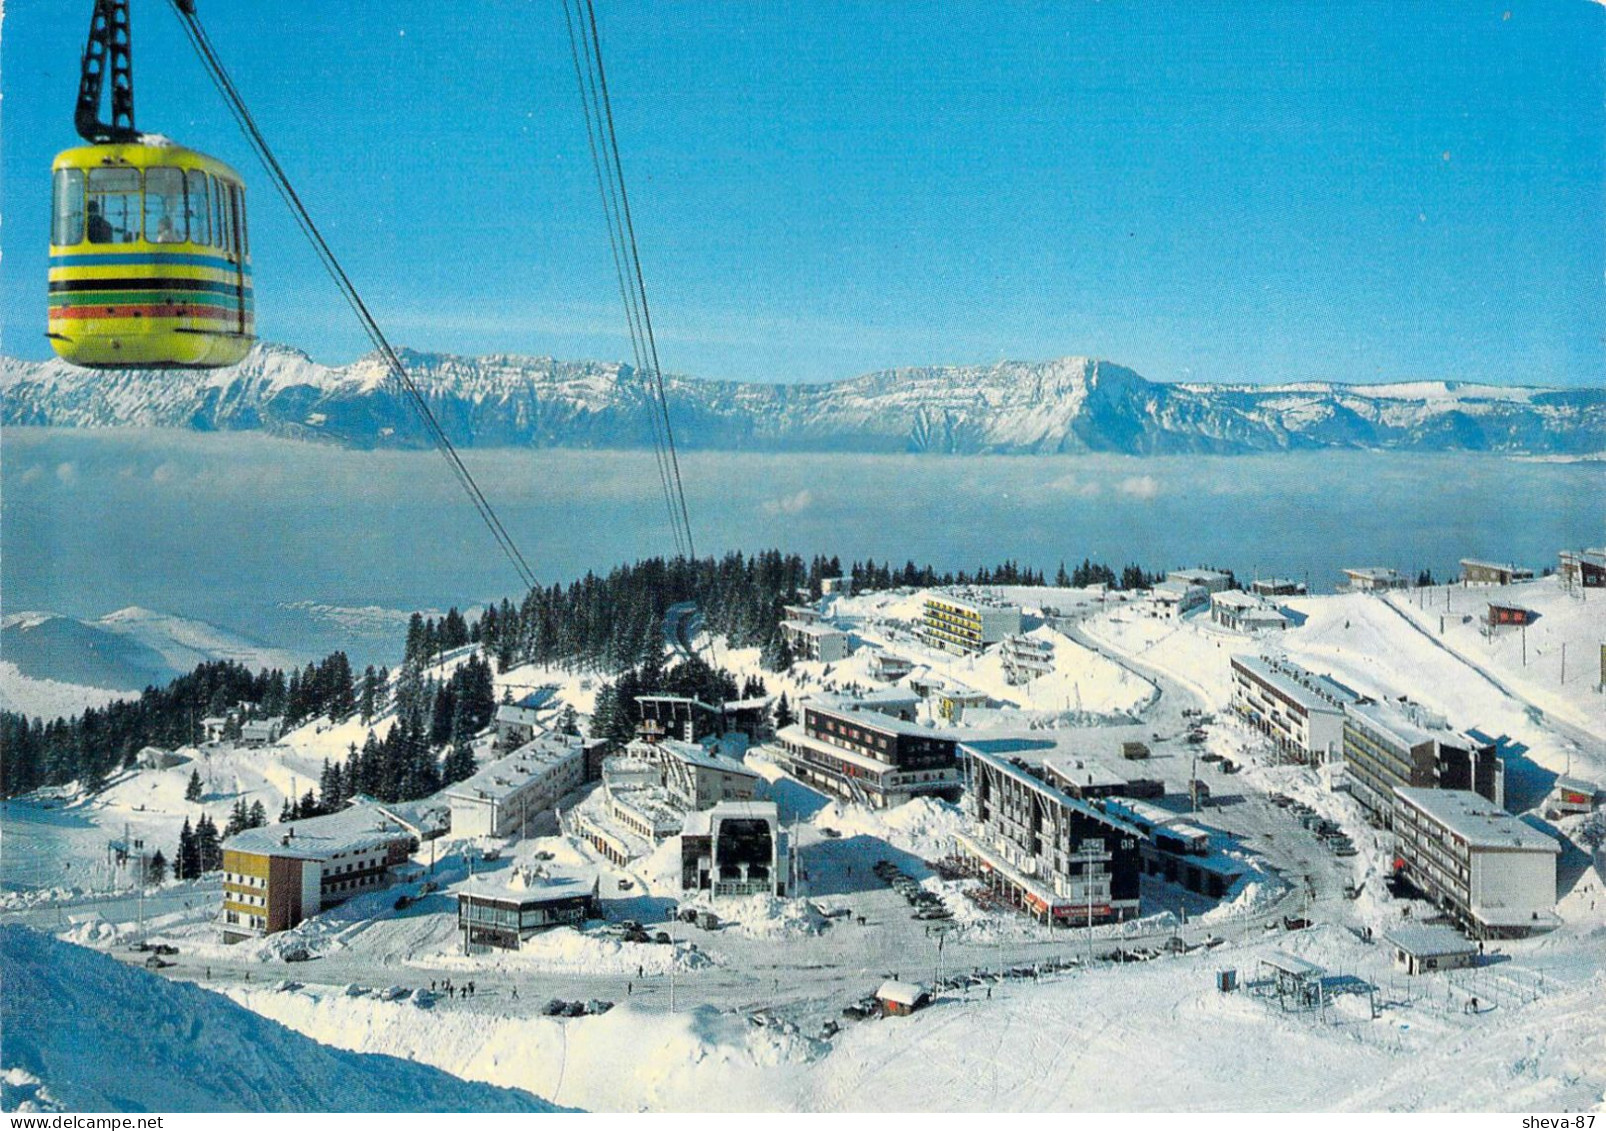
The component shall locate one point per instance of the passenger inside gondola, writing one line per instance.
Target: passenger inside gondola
(99, 230)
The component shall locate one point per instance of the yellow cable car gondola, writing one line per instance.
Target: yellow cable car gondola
(149, 261)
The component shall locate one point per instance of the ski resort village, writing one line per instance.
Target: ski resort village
(979, 846)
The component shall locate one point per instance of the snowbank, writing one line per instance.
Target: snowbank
(628, 1059)
(568, 951)
(88, 1033)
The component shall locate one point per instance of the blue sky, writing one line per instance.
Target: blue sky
(1218, 191)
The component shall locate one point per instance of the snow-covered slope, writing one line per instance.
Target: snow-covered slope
(1069, 405)
(88, 1033)
(57, 664)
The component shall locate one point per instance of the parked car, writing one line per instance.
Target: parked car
(394, 993)
(555, 1007)
(354, 990)
(156, 962)
(595, 1008)
(298, 954)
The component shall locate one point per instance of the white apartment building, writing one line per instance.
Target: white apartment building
(503, 796)
(1303, 713)
(1493, 873)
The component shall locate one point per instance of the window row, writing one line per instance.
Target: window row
(164, 204)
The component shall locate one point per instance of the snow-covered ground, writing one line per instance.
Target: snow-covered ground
(1571, 621)
(1151, 1036)
(49, 698)
(87, 1033)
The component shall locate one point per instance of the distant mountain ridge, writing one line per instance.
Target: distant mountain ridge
(1064, 406)
(127, 650)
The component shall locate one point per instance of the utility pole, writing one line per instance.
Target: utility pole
(141, 866)
(1564, 662)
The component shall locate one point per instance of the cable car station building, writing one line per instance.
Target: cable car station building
(736, 848)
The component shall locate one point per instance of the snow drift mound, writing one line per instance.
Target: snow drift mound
(95, 1035)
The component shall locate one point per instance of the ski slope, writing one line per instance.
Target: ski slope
(87, 1033)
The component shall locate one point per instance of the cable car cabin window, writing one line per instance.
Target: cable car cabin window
(198, 207)
(114, 205)
(67, 214)
(237, 220)
(217, 212)
(225, 195)
(164, 205)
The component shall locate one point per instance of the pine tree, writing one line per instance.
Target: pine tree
(156, 869)
(258, 816)
(239, 819)
(442, 715)
(415, 639)
(329, 798)
(340, 692)
(368, 696)
(208, 847)
(777, 654)
(193, 791)
(459, 764)
(783, 713)
(188, 860)
(568, 720)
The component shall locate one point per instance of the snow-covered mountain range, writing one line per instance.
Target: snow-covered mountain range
(1069, 405)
